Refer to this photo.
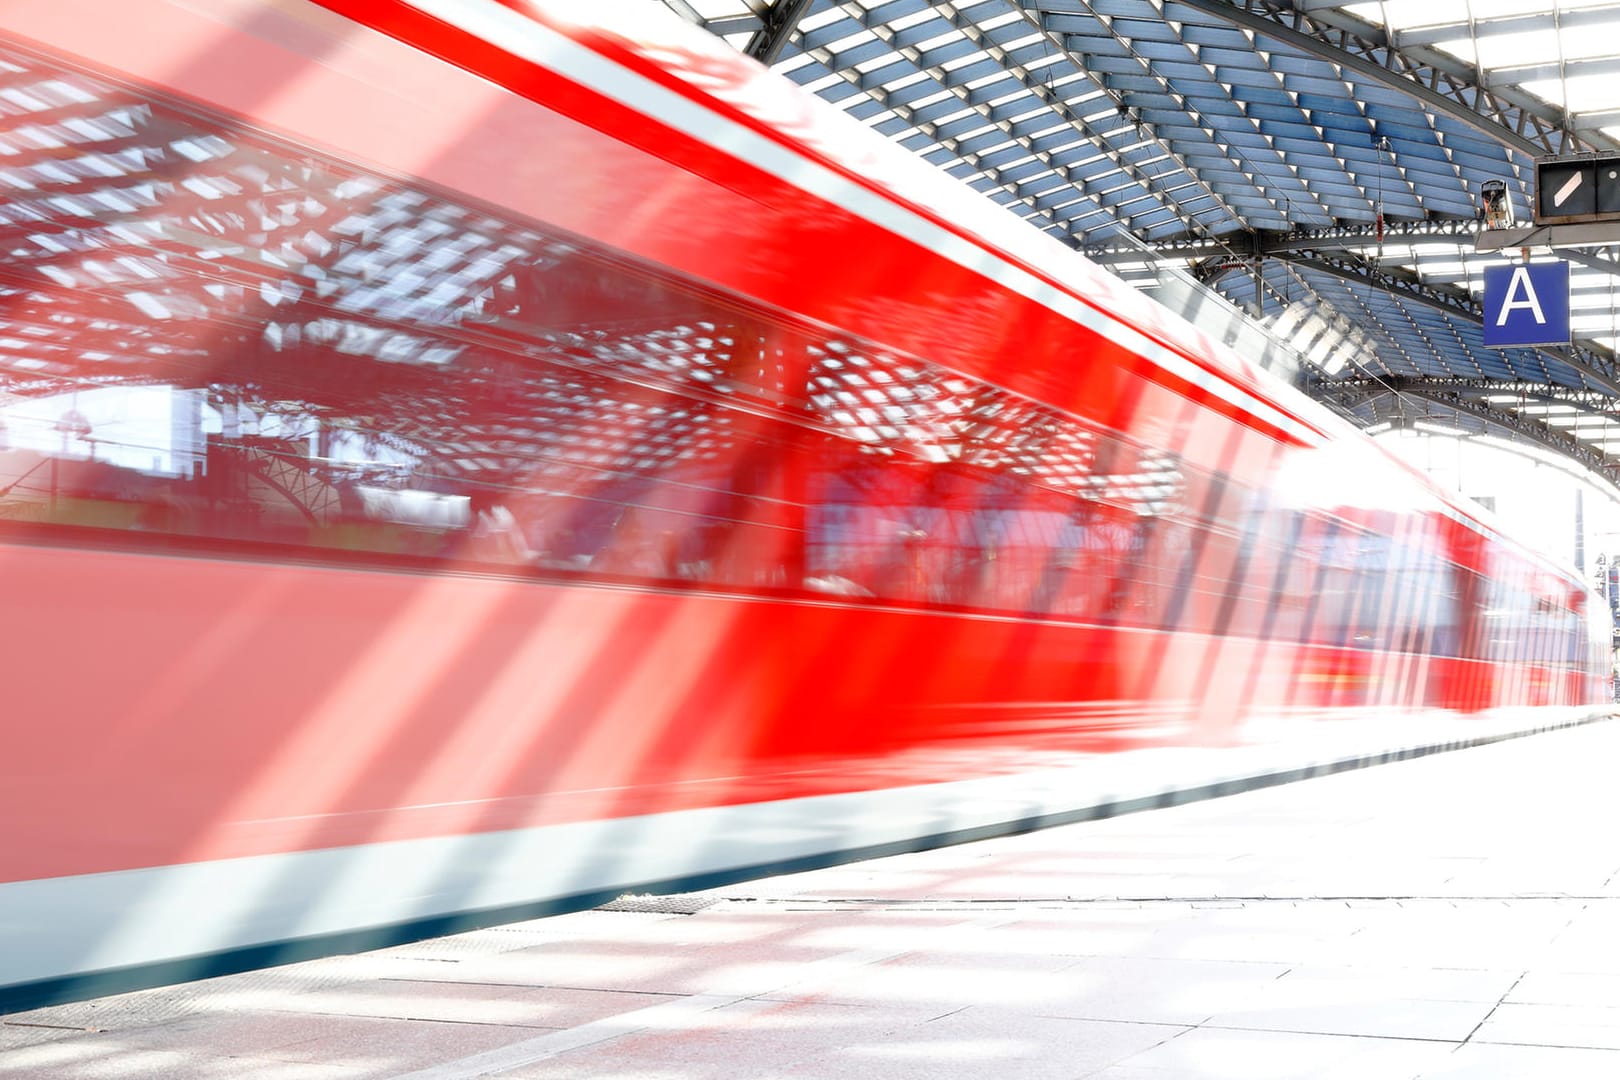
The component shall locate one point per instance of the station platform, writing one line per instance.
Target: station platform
(1443, 916)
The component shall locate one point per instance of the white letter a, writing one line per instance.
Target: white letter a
(1521, 277)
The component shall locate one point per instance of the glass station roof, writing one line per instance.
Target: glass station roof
(1321, 162)
(1566, 54)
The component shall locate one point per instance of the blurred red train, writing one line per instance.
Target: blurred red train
(458, 460)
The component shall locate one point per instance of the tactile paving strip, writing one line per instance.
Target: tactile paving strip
(678, 904)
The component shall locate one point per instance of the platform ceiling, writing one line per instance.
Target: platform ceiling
(1318, 162)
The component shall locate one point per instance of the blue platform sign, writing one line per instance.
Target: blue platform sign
(1527, 304)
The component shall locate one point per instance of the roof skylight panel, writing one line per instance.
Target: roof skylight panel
(1499, 54)
(1076, 89)
(1416, 14)
(876, 63)
(1586, 93)
(996, 21)
(1014, 91)
(930, 99)
(909, 79)
(789, 63)
(947, 36)
(825, 82)
(956, 62)
(991, 78)
(1033, 111)
(954, 116)
(903, 23)
(1055, 124)
(1034, 37)
(1486, 10)
(1578, 44)
(858, 36)
(719, 9)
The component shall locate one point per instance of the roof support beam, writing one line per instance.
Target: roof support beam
(1340, 237)
(779, 23)
(1397, 281)
(685, 11)
(1584, 234)
(1329, 238)
(1443, 83)
(1590, 402)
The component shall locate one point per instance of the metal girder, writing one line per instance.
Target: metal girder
(1339, 237)
(1397, 281)
(1327, 238)
(1590, 402)
(1345, 400)
(1444, 83)
(1351, 400)
(1585, 234)
(685, 11)
(292, 476)
(779, 22)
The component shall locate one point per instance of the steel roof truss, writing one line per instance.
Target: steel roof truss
(1444, 83)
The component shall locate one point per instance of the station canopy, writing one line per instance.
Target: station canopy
(1317, 164)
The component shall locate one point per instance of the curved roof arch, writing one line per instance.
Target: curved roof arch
(1318, 163)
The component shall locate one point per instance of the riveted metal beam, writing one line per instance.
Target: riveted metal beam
(778, 23)
(1326, 238)
(1397, 281)
(1589, 402)
(685, 11)
(1339, 237)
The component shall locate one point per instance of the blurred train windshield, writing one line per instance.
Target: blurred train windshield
(213, 342)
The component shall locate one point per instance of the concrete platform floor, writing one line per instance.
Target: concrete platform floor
(1452, 916)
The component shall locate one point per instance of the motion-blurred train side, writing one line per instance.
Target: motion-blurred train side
(457, 459)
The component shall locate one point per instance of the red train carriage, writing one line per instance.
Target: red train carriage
(457, 460)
